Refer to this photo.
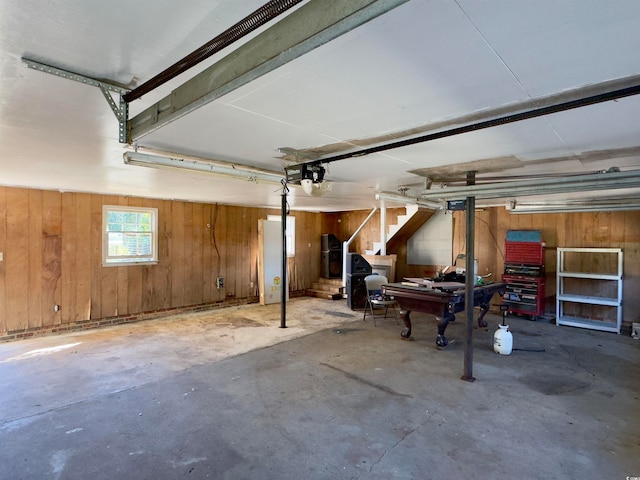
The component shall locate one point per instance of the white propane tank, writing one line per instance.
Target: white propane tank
(503, 340)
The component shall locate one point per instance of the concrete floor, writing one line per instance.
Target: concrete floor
(229, 395)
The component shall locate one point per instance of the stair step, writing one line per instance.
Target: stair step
(327, 287)
(310, 292)
(330, 281)
(393, 229)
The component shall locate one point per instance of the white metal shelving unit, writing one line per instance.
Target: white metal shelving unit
(614, 301)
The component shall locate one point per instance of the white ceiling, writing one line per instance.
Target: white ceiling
(425, 61)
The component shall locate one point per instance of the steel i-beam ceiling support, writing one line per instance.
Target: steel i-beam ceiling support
(533, 108)
(310, 26)
(120, 110)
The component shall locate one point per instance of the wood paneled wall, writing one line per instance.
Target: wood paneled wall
(344, 224)
(52, 255)
(592, 229)
(606, 229)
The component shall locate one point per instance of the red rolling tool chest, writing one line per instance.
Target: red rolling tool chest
(524, 273)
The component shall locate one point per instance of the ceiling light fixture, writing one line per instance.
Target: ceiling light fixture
(608, 180)
(201, 165)
(315, 189)
(573, 207)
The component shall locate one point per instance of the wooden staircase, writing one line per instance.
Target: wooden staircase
(407, 225)
(329, 288)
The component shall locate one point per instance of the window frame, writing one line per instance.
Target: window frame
(119, 261)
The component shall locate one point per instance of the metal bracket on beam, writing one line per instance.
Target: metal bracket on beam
(120, 110)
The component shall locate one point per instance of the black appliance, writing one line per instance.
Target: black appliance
(331, 256)
(357, 269)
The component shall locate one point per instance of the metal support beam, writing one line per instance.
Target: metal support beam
(285, 283)
(470, 282)
(559, 102)
(120, 110)
(383, 227)
(313, 24)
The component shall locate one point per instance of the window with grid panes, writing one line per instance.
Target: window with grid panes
(130, 235)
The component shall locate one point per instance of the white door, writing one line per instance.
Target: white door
(270, 262)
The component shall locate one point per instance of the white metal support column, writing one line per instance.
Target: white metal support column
(383, 227)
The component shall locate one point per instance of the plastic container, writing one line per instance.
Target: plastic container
(503, 340)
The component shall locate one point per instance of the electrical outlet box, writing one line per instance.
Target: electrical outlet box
(220, 282)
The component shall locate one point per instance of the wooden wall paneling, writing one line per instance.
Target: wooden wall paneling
(631, 273)
(83, 256)
(166, 252)
(485, 247)
(459, 235)
(312, 250)
(253, 249)
(503, 218)
(122, 289)
(242, 261)
(189, 293)
(133, 295)
(498, 246)
(34, 266)
(303, 251)
(216, 264)
(617, 226)
(602, 235)
(3, 249)
(17, 259)
(147, 287)
(249, 232)
(219, 240)
(235, 251)
(292, 262)
(147, 272)
(560, 229)
(109, 280)
(231, 253)
(197, 280)
(68, 295)
(240, 251)
(96, 256)
(177, 254)
(252, 252)
(208, 282)
(231, 250)
(537, 222)
(162, 271)
(550, 237)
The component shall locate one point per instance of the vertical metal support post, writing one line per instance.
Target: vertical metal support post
(283, 302)
(383, 227)
(470, 281)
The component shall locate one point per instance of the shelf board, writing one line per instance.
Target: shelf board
(610, 302)
(593, 276)
(603, 326)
